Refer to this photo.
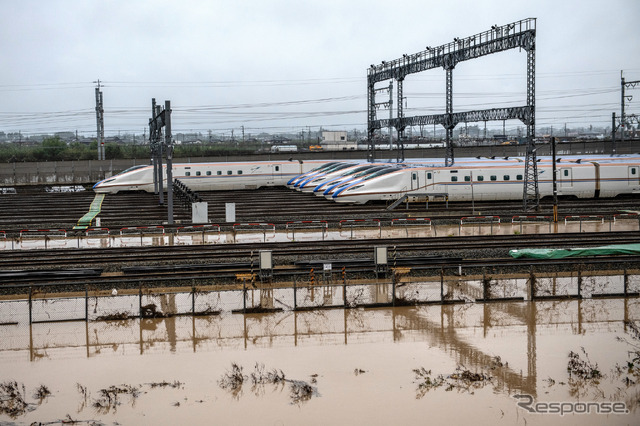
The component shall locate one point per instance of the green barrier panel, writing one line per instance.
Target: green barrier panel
(94, 210)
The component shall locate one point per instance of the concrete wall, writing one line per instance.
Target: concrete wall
(88, 172)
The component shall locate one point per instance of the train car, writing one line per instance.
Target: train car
(211, 176)
(302, 183)
(313, 184)
(359, 172)
(291, 182)
(587, 177)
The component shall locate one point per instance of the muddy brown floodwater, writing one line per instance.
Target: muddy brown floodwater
(451, 364)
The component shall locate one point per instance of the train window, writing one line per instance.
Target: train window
(229, 172)
(277, 168)
(239, 172)
(198, 173)
(467, 178)
(518, 177)
(493, 177)
(454, 178)
(187, 173)
(479, 178)
(566, 172)
(633, 170)
(414, 176)
(219, 172)
(429, 175)
(506, 177)
(208, 172)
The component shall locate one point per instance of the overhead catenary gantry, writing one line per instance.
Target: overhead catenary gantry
(520, 34)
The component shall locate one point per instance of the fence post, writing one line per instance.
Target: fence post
(626, 282)
(295, 294)
(193, 300)
(30, 305)
(344, 287)
(86, 302)
(485, 286)
(579, 279)
(441, 285)
(140, 299)
(532, 285)
(244, 297)
(393, 288)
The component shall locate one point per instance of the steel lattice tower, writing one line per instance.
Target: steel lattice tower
(520, 34)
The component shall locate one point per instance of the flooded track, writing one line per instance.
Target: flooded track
(362, 366)
(355, 256)
(175, 328)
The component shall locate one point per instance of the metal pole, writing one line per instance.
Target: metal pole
(390, 114)
(169, 143)
(555, 180)
(613, 134)
(160, 166)
(152, 144)
(622, 118)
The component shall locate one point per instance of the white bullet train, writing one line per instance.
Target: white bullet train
(488, 179)
(353, 181)
(211, 176)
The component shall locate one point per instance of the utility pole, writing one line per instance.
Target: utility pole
(390, 114)
(99, 121)
(169, 144)
(613, 134)
(162, 118)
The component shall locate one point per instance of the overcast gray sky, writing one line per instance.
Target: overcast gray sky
(285, 65)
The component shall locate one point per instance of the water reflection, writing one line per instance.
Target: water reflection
(471, 334)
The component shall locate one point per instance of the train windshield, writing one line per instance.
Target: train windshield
(380, 173)
(354, 171)
(337, 167)
(370, 170)
(324, 167)
(130, 169)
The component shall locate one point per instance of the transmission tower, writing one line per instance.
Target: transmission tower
(520, 34)
(624, 118)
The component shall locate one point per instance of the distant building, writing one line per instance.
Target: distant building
(337, 141)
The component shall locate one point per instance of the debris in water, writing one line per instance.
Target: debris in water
(176, 384)
(12, 401)
(41, 393)
(301, 391)
(461, 379)
(582, 369)
(233, 380)
(108, 399)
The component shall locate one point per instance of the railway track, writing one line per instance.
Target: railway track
(42, 210)
(207, 261)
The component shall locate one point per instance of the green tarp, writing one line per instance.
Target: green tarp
(574, 252)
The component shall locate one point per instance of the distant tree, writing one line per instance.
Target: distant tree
(52, 149)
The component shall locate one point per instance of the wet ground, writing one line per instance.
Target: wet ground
(453, 364)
